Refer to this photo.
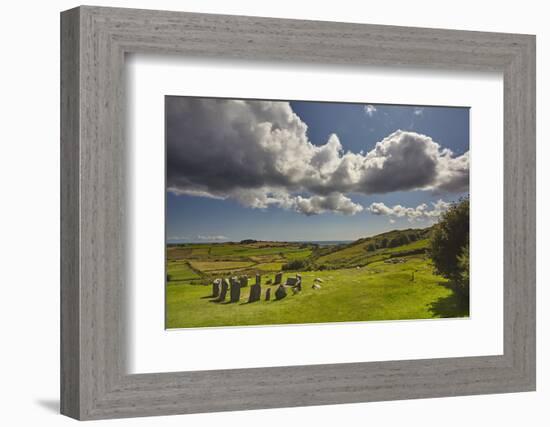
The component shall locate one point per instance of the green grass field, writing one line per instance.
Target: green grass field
(361, 281)
(180, 272)
(207, 266)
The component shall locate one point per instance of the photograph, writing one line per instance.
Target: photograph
(299, 212)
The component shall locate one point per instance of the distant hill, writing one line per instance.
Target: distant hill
(395, 243)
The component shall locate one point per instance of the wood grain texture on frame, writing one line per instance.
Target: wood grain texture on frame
(94, 381)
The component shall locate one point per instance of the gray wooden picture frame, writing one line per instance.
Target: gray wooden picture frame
(94, 382)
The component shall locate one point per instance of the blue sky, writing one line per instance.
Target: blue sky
(232, 177)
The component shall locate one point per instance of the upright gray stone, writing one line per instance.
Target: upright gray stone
(268, 294)
(216, 288)
(223, 292)
(280, 293)
(235, 290)
(244, 281)
(298, 285)
(291, 281)
(278, 278)
(255, 290)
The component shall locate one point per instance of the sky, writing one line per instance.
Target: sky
(309, 171)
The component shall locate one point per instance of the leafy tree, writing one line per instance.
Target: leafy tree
(464, 265)
(449, 246)
(398, 240)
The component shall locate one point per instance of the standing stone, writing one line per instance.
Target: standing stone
(298, 285)
(280, 293)
(278, 278)
(255, 293)
(235, 290)
(216, 288)
(268, 294)
(291, 281)
(255, 290)
(244, 281)
(223, 292)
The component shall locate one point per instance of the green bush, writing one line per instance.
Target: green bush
(296, 264)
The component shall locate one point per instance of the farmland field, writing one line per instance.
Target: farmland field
(384, 277)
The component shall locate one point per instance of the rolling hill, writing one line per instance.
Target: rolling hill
(391, 244)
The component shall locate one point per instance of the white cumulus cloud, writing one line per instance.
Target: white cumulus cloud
(334, 202)
(369, 110)
(217, 238)
(259, 154)
(420, 212)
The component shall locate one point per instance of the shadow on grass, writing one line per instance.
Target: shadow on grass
(454, 305)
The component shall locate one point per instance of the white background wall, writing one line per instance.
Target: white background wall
(29, 213)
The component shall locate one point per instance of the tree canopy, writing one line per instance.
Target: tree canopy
(449, 245)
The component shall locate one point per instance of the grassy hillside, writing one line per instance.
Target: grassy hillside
(376, 248)
(384, 277)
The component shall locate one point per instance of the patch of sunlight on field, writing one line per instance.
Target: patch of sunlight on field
(298, 255)
(269, 266)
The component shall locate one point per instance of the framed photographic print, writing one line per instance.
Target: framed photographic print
(293, 234)
(262, 213)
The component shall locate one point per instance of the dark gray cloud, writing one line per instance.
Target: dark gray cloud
(258, 153)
